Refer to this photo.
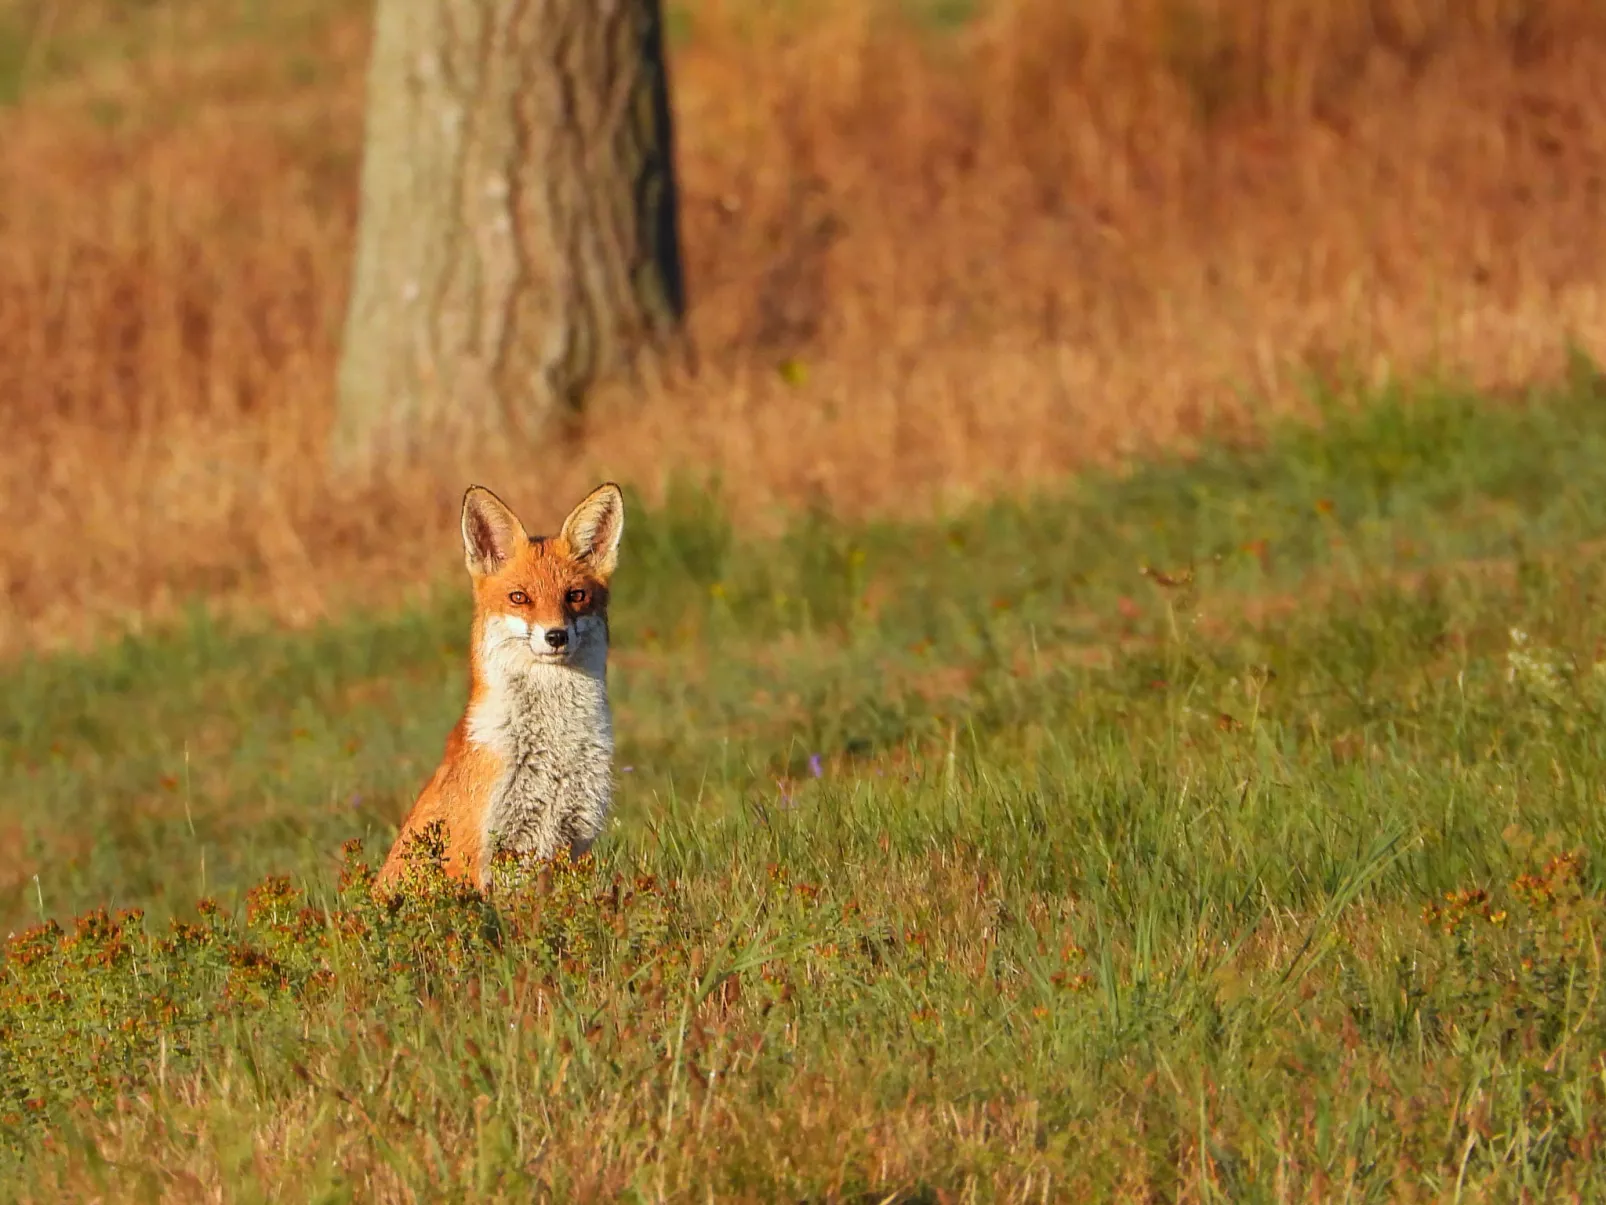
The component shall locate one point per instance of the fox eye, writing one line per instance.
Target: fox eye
(576, 597)
(519, 598)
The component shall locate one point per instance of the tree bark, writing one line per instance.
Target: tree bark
(518, 236)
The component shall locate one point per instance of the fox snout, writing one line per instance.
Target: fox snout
(547, 640)
(544, 640)
(564, 639)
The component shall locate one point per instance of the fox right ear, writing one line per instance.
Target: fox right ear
(593, 528)
(491, 532)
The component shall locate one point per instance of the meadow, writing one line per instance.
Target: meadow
(1225, 830)
(1109, 691)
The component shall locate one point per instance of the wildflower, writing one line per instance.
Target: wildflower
(1533, 668)
(815, 768)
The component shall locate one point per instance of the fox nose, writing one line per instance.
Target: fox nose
(557, 638)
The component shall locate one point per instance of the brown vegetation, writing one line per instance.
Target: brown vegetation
(923, 263)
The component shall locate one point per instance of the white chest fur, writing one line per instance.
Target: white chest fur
(551, 728)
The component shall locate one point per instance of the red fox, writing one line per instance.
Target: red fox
(529, 767)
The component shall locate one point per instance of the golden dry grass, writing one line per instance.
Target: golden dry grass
(1058, 237)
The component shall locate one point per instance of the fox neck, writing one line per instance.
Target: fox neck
(551, 729)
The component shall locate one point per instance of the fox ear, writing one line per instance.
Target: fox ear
(491, 532)
(593, 528)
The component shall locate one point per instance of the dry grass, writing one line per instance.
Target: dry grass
(1058, 237)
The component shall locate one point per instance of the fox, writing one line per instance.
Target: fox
(529, 766)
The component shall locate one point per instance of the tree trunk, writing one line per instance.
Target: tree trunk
(518, 237)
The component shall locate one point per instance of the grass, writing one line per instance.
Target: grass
(1224, 829)
(958, 860)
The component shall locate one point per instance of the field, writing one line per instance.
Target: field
(1110, 691)
(952, 861)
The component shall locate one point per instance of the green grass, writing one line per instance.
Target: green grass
(45, 42)
(1280, 881)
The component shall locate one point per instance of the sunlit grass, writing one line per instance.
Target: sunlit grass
(965, 857)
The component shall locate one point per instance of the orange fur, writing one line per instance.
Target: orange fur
(463, 777)
(542, 585)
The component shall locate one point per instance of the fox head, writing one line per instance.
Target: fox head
(542, 600)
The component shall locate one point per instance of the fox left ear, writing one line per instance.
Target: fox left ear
(491, 532)
(593, 528)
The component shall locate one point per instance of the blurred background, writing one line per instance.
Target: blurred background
(934, 250)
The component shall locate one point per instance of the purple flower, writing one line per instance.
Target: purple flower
(815, 768)
(627, 769)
